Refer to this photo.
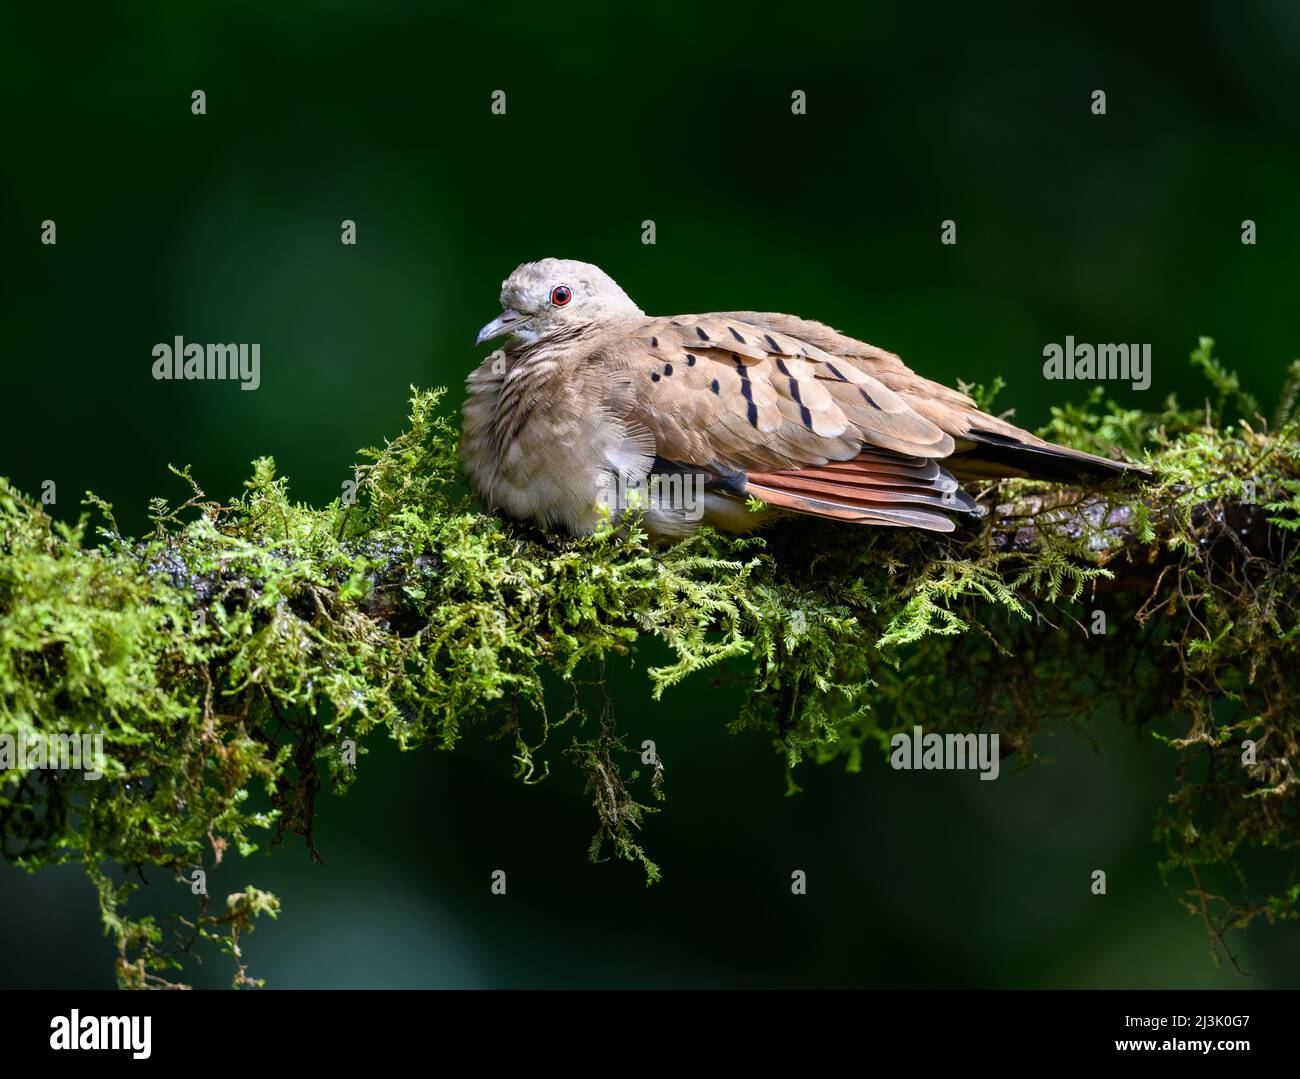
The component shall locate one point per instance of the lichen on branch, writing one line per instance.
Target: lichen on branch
(237, 658)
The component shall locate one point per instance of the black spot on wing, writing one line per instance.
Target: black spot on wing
(700, 330)
(804, 414)
(747, 389)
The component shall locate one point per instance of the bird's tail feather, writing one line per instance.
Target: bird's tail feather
(988, 454)
(903, 492)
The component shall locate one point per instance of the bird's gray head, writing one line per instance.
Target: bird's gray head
(554, 295)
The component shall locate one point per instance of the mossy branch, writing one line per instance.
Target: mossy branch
(237, 659)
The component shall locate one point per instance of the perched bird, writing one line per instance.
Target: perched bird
(593, 407)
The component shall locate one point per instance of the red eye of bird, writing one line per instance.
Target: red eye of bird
(560, 295)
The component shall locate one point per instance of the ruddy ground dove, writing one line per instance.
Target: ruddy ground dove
(594, 406)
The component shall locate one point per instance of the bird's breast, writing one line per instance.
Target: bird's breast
(543, 447)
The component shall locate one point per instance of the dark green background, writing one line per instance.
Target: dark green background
(226, 228)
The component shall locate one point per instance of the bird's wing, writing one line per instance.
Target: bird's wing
(985, 446)
(813, 430)
(715, 389)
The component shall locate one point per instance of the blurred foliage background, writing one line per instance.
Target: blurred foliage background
(225, 227)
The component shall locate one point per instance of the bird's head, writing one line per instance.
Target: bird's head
(552, 296)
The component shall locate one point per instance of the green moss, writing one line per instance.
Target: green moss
(232, 657)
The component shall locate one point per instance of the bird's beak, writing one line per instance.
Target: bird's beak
(498, 327)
